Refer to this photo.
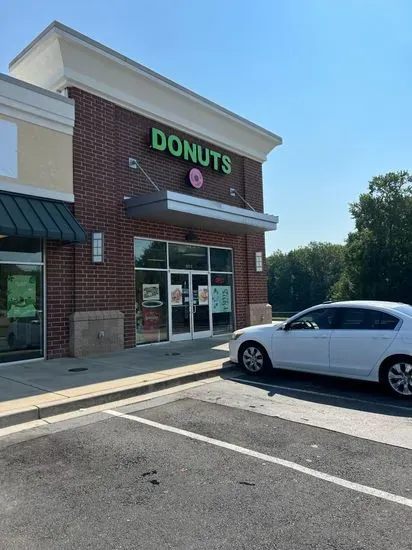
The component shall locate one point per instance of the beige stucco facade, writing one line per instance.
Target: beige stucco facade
(36, 132)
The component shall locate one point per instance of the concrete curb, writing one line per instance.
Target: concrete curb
(18, 416)
(28, 414)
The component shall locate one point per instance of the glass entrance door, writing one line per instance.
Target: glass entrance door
(201, 310)
(180, 305)
(189, 305)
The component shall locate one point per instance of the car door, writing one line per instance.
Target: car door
(304, 343)
(360, 339)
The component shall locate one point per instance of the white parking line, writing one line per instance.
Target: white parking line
(322, 394)
(267, 458)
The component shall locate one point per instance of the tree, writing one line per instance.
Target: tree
(304, 276)
(378, 255)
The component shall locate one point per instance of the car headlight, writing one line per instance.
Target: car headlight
(236, 334)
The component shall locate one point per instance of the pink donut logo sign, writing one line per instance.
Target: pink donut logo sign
(195, 178)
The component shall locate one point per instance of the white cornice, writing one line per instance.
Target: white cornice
(61, 57)
(25, 102)
(22, 189)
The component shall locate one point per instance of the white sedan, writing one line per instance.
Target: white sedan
(365, 340)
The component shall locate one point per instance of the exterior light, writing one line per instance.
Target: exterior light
(191, 237)
(259, 261)
(97, 248)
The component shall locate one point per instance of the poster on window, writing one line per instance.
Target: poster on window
(203, 295)
(21, 296)
(151, 292)
(176, 295)
(221, 299)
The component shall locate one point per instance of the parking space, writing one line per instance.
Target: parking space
(214, 466)
(346, 406)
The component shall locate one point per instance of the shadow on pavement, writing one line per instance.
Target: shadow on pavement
(350, 394)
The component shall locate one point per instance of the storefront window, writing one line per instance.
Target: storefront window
(151, 306)
(220, 259)
(17, 250)
(21, 300)
(150, 254)
(168, 289)
(222, 303)
(186, 256)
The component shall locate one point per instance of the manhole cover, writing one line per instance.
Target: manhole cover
(78, 369)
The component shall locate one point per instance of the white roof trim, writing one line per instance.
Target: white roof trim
(32, 104)
(60, 56)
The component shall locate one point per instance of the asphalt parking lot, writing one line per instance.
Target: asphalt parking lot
(288, 462)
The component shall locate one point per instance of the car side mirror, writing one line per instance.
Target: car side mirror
(286, 327)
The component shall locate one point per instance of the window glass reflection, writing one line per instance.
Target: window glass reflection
(151, 306)
(186, 256)
(18, 250)
(150, 254)
(21, 312)
(222, 303)
(220, 259)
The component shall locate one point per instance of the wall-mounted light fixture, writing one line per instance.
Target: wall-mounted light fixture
(191, 237)
(259, 261)
(97, 248)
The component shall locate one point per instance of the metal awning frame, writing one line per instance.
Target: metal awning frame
(184, 210)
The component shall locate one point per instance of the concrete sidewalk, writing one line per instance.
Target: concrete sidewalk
(30, 391)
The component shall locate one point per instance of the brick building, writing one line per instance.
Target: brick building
(167, 196)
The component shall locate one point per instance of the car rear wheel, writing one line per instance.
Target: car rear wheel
(396, 375)
(254, 358)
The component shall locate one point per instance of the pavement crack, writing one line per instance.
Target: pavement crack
(150, 473)
(45, 390)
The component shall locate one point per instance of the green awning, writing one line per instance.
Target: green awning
(24, 216)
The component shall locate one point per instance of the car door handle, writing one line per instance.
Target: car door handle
(381, 338)
(323, 337)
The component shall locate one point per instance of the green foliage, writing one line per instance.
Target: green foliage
(378, 256)
(375, 263)
(304, 276)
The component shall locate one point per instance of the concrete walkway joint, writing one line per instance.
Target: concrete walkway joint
(36, 390)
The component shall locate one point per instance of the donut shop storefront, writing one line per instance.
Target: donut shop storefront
(168, 189)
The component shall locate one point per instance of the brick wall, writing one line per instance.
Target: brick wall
(105, 136)
(59, 297)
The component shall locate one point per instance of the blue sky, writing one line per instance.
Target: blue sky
(332, 77)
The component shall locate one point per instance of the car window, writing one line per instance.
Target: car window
(353, 319)
(366, 319)
(318, 319)
(383, 321)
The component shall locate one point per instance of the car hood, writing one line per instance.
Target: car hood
(254, 328)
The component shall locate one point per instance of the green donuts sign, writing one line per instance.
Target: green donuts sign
(192, 152)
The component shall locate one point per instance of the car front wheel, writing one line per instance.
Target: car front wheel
(397, 377)
(253, 358)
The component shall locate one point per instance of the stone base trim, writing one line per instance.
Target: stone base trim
(258, 314)
(96, 332)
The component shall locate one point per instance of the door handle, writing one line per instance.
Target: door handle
(381, 337)
(322, 337)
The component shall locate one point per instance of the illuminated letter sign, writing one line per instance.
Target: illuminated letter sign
(192, 152)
